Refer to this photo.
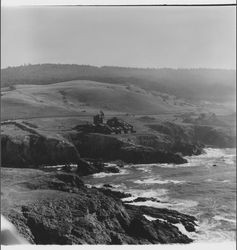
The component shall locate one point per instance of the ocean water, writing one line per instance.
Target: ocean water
(204, 187)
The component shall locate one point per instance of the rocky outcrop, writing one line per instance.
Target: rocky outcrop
(142, 199)
(140, 155)
(164, 214)
(64, 211)
(100, 220)
(97, 146)
(34, 150)
(31, 149)
(110, 148)
(187, 149)
(215, 136)
(113, 193)
(190, 139)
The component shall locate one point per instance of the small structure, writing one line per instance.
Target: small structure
(99, 118)
(113, 125)
(119, 126)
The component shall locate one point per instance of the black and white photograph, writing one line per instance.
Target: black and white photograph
(118, 123)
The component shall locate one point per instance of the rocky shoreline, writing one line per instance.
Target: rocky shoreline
(44, 197)
(62, 210)
(25, 146)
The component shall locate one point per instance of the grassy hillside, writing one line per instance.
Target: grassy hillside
(81, 97)
(193, 84)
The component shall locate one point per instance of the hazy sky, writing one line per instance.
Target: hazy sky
(120, 36)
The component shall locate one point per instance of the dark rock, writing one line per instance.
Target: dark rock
(85, 168)
(170, 216)
(110, 148)
(140, 154)
(34, 150)
(188, 149)
(142, 228)
(115, 239)
(215, 136)
(114, 194)
(190, 139)
(107, 186)
(119, 163)
(111, 169)
(19, 221)
(91, 167)
(68, 169)
(55, 214)
(70, 180)
(74, 221)
(143, 199)
(66, 182)
(156, 231)
(168, 233)
(189, 226)
(97, 146)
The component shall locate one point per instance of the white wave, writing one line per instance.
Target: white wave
(222, 181)
(142, 165)
(191, 163)
(149, 217)
(209, 156)
(180, 226)
(117, 187)
(156, 181)
(217, 217)
(159, 194)
(146, 168)
(208, 232)
(108, 164)
(120, 187)
(148, 193)
(131, 198)
(103, 174)
(180, 205)
(229, 161)
(88, 185)
(60, 166)
(183, 230)
(213, 153)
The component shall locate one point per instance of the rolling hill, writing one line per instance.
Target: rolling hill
(192, 84)
(82, 96)
(68, 90)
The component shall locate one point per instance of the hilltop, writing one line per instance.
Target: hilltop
(194, 84)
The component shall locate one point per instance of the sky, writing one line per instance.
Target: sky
(109, 2)
(154, 37)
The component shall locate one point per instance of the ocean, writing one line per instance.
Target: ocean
(204, 187)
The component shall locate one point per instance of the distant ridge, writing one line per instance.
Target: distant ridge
(198, 83)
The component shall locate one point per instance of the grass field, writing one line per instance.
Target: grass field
(56, 108)
(85, 98)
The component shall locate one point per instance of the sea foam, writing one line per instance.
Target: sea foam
(103, 174)
(157, 181)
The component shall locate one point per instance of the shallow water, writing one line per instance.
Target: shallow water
(204, 187)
